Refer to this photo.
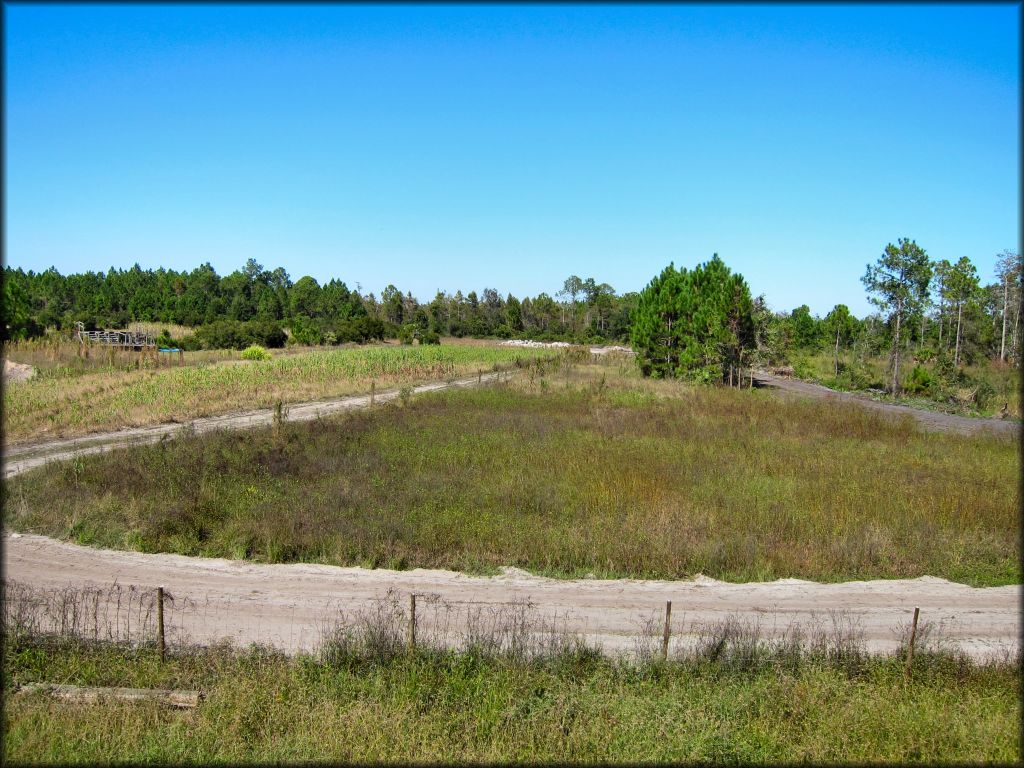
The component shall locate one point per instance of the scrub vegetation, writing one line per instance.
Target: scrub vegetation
(59, 406)
(570, 469)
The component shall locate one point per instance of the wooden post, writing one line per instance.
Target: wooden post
(373, 390)
(668, 630)
(181, 356)
(412, 621)
(160, 621)
(910, 646)
(479, 375)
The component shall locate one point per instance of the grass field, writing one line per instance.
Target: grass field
(57, 404)
(584, 469)
(570, 706)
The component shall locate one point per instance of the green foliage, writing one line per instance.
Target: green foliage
(256, 352)
(921, 381)
(405, 333)
(429, 337)
(693, 324)
(305, 331)
(806, 328)
(232, 334)
(15, 319)
(898, 284)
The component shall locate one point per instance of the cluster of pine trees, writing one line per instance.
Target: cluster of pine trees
(256, 305)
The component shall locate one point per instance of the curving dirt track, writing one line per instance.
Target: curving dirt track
(288, 605)
(930, 420)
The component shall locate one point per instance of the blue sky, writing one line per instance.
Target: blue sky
(459, 147)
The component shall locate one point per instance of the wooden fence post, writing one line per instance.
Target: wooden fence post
(668, 630)
(412, 621)
(160, 621)
(910, 645)
(373, 391)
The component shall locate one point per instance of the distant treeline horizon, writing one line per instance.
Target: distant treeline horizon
(254, 304)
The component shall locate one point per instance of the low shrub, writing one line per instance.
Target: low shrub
(921, 381)
(255, 352)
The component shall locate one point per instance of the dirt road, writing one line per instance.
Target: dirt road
(929, 420)
(21, 458)
(288, 605)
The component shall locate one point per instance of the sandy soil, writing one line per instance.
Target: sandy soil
(17, 371)
(929, 420)
(288, 605)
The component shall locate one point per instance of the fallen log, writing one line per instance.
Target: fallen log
(82, 695)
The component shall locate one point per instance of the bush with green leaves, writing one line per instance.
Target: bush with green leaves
(305, 331)
(255, 352)
(921, 381)
(233, 334)
(405, 333)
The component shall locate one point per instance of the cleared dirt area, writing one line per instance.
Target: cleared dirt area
(14, 372)
(288, 605)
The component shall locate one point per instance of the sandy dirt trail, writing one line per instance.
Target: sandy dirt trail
(21, 458)
(934, 421)
(288, 605)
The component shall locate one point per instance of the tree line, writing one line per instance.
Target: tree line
(698, 323)
(256, 305)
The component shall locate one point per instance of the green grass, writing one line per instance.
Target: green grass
(590, 470)
(576, 706)
(53, 406)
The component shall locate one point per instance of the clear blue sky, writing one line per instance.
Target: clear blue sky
(512, 145)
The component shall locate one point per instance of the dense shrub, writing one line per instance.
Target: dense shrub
(921, 381)
(306, 331)
(232, 334)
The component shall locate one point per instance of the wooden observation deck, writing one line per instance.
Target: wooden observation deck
(136, 340)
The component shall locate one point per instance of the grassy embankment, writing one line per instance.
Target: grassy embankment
(365, 697)
(974, 390)
(58, 405)
(566, 471)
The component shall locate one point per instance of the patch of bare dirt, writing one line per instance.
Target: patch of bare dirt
(14, 372)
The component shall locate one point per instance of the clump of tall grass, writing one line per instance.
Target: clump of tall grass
(513, 631)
